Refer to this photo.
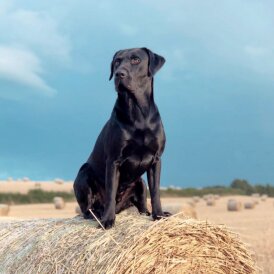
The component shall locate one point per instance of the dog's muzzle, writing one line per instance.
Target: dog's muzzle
(122, 80)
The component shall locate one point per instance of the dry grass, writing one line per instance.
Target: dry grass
(255, 227)
(135, 245)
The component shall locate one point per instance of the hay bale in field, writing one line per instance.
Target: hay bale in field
(211, 202)
(249, 205)
(59, 202)
(207, 196)
(233, 205)
(59, 181)
(264, 197)
(4, 210)
(256, 195)
(216, 196)
(171, 245)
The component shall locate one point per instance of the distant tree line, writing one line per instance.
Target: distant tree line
(249, 189)
(237, 187)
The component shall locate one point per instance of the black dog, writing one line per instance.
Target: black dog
(130, 144)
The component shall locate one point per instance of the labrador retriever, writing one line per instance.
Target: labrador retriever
(130, 144)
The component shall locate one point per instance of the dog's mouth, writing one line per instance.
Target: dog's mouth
(122, 85)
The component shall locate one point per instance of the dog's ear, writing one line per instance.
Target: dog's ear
(112, 65)
(155, 62)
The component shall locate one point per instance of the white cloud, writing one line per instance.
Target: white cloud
(23, 67)
(40, 31)
(217, 34)
(35, 30)
(26, 38)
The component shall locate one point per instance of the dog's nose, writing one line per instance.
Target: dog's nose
(121, 74)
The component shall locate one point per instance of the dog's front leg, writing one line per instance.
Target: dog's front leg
(111, 185)
(153, 178)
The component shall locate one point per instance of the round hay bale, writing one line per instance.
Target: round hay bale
(264, 197)
(249, 205)
(211, 202)
(256, 195)
(59, 181)
(216, 196)
(4, 210)
(59, 202)
(171, 245)
(207, 196)
(233, 205)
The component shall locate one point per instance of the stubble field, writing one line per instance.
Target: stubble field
(255, 226)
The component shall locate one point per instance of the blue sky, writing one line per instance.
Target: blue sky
(215, 92)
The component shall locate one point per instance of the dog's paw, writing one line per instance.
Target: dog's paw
(107, 224)
(167, 214)
(161, 215)
(145, 212)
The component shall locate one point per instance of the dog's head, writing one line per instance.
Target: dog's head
(132, 68)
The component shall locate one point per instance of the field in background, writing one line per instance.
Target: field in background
(254, 226)
(23, 187)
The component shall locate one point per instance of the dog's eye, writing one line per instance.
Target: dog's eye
(117, 62)
(135, 60)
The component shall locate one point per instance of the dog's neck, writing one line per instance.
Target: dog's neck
(134, 106)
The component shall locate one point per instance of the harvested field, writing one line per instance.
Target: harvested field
(254, 226)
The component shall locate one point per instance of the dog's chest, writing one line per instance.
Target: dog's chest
(140, 151)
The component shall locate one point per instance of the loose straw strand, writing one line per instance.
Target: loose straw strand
(104, 228)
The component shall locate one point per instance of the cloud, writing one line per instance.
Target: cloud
(35, 30)
(24, 67)
(29, 41)
(220, 34)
